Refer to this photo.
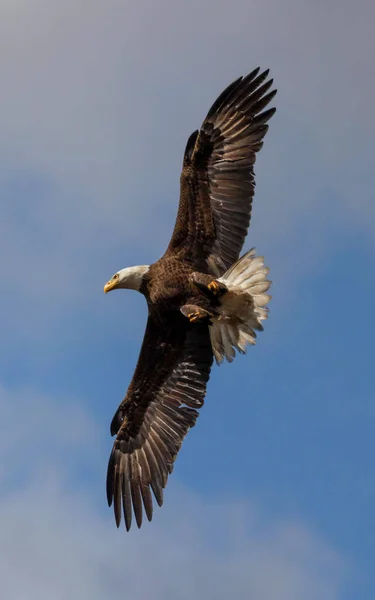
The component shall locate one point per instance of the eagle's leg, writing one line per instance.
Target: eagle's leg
(207, 284)
(195, 313)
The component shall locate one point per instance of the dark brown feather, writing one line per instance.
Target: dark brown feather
(169, 382)
(157, 412)
(217, 180)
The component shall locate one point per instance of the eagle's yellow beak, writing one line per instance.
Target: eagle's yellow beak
(110, 285)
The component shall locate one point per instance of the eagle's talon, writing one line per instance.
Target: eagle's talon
(214, 287)
(195, 316)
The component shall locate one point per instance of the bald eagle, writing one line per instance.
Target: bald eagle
(204, 302)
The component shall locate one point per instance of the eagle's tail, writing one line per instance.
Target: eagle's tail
(242, 307)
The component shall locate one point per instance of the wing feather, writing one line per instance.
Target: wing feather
(160, 407)
(217, 180)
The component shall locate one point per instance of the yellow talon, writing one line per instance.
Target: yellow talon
(195, 316)
(214, 287)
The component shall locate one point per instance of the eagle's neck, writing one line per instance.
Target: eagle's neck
(131, 277)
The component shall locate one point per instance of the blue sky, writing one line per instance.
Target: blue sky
(272, 495)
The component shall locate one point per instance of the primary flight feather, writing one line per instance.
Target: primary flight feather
(203, 301)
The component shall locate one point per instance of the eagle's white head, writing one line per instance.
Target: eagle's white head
(129, 278)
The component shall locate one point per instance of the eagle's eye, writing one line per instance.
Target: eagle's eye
(115, 276)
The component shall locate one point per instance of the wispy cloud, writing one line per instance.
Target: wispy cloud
(97, 103)
(56, 541)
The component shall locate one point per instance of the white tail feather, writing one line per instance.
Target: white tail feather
(243, 307)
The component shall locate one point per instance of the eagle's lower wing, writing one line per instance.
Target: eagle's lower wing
(217, 180)
(168, 386)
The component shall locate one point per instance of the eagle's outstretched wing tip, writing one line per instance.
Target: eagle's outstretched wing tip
(151, 436)
(218, 181)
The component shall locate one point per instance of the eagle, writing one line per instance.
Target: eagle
(204, 302)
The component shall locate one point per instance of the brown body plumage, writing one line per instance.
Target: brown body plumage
(185, 292)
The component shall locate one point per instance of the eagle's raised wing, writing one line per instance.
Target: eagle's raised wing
(168, 386)
(217, 180)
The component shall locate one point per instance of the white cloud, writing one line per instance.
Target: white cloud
(98, 100)
(54, 546)
(57, 543)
